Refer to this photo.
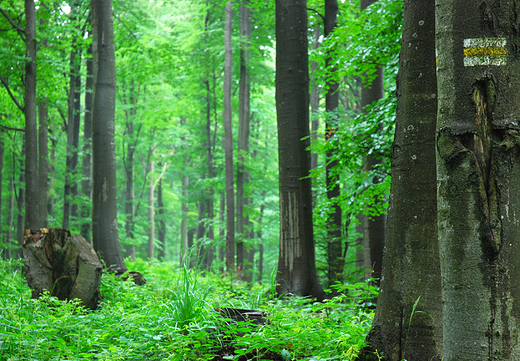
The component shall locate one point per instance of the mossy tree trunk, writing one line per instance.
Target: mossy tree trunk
(478, 160)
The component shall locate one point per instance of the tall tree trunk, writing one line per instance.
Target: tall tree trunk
(374, 227)
(315, 108)
(52, 174)
(228, 141)
(130, 101)
(200, 232)
(184, 220)
(478, 167)
(20, 220)
(334, 223)
(73, 125)
(244, 114)
(222, 230)
(296, 262)
(105, 234)
(31, 128)
(86, 164)
(1, 178)
(151, 210)
(43, 162)
(211, 174)
(411, 268)
(161, 236)
(10, 212)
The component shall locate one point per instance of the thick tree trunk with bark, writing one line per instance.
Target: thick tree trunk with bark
(105, 234)
(478, 167)
(228, 147)
(411, 268)
(67, 267)
(31, 128)
(296, 263)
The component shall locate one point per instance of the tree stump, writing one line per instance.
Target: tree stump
(67, 266)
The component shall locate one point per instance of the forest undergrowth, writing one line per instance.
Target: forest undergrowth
(175, 317)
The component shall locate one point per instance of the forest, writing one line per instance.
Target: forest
(254, 179)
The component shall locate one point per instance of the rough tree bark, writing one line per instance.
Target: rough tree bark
(105, 234)
(411, 268)
(296, 262)
(478, 167)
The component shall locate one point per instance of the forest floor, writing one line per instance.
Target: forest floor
(177, 315)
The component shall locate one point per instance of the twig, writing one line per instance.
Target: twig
(317, 12)
(21, 31)
(4, 82)
(11, 128)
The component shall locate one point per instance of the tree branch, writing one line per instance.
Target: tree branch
(317, 12)
(21, 31)
(4, 82)
(11, 128)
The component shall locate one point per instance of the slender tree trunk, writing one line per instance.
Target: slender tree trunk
(478, 167)
(222, 230)
(334, 223)
(296, 263)
(31, 128)
(51, 174)
(20, 220)
(162, 224)
(73, 125)
(244, 114)
(151, 211)
(315, 108)
(1, 178)
(411, 268)
(43, 162)
(184, 220)
(105, 234)
(86, 184)
(10, 212)
(130, 112)
(228, 147)
(373, 228)
(211, 174)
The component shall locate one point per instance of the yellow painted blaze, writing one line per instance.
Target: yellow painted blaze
(485, 51)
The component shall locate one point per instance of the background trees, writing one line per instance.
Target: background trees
(169, 111)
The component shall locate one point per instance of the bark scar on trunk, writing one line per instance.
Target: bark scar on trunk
(482, 147)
